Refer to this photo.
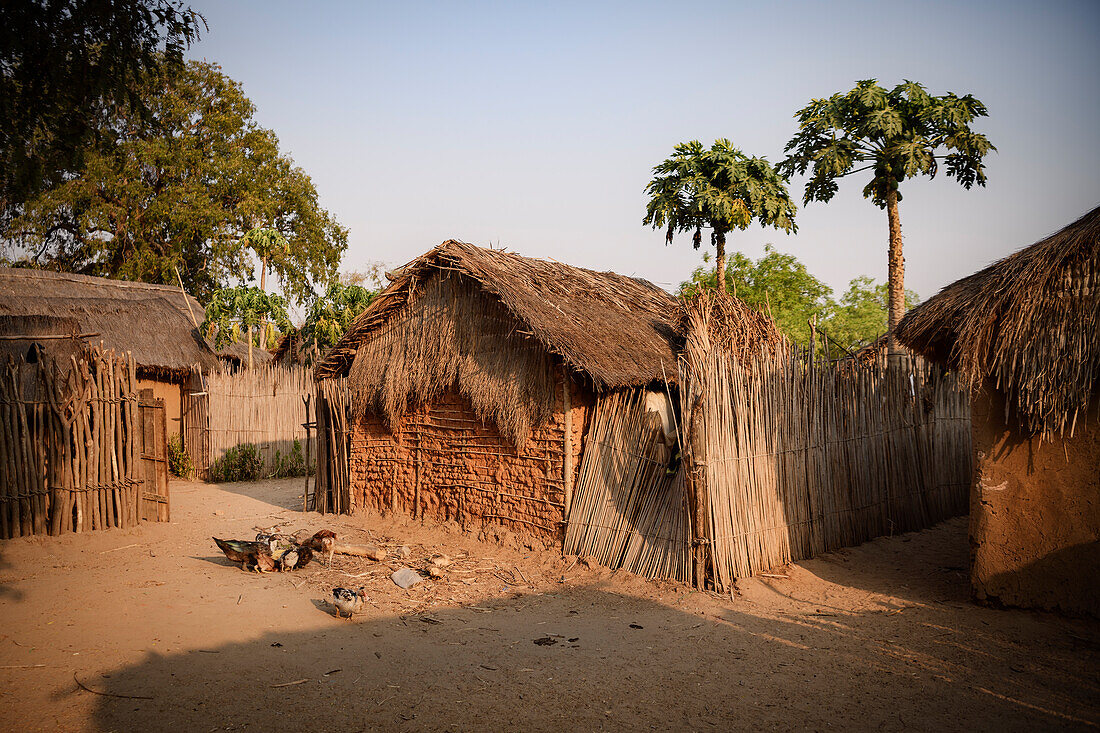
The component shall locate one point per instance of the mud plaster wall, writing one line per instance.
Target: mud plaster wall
(465, 470)
(172, 395)
(1035, 513)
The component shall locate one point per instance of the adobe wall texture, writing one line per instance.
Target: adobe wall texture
(446, 465)
(1035, 513)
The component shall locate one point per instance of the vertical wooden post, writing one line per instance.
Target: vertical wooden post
(697, 479)
(567, 467)
(305, 491)
(161, 441)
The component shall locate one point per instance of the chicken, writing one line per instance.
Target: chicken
(266, 553)
(348, 601)
(253, 555)
(323, 541)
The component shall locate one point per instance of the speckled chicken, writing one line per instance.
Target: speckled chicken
(348, 601)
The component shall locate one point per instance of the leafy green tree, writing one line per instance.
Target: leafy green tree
(896, 134)
(232, 310)
(330, 315)
(779, 285)
(63, 63)
(776, 284)
(182, 191)
(266, 243)
(721, 189)
(860, 317)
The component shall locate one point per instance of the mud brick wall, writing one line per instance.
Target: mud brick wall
(444, 464)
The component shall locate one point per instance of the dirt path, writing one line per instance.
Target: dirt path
(879, 637)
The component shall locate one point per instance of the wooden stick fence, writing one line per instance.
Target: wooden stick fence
(332, 489)
(794, 458)
(70, 446)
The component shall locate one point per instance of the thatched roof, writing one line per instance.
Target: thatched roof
(1030, 322)
(618, 331)
(56, 335)
(151, 321)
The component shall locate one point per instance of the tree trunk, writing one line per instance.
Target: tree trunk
(720, 243)
(263, 321)
(250, 348)
(896, 301)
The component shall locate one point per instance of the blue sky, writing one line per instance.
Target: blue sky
(535, 126)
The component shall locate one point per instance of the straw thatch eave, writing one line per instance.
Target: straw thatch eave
(615, 330)
(153, 322)
(1028, 323)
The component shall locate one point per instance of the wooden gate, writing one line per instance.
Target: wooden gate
(153, 468)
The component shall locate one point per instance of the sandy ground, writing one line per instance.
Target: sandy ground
(170, 635)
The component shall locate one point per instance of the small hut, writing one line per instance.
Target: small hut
(60, 314)
(472, 377)
(1025, 334)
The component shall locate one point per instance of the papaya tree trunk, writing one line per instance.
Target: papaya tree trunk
(263, 287)
(720, 261)
(896, 300)
(250, 348)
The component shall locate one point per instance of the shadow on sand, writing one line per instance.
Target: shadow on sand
(589, 659)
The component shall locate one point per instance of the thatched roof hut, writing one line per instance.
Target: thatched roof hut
(1024, 333)
(499, 321)
(1028, 322)
(151, 321)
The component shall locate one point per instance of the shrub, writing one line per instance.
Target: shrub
(179, 460)
(242, 463)
(292, 464)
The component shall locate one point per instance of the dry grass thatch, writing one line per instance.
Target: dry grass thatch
(1028, 322)
(151, 321)
(732, 326)
(456, 336)
(619, 331)
(491, 323)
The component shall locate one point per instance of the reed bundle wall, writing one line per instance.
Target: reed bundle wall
(73, 454)
(443, 462)
(628, 511)
(795, 459)
(264, 406)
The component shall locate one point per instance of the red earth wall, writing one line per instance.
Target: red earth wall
(443, 463)
(1035, 513)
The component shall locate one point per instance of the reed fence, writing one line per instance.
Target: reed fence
(264, 406)
(628, 510)
(77, 447)
(789, 458)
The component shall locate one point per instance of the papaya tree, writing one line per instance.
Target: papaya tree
(244, 308)
(721, 189)
(895, 134)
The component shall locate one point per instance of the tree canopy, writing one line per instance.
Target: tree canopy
(896, 134)
(721, 189)
(180, 191)
(244, 309)
(780, 285)
(66, 63)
